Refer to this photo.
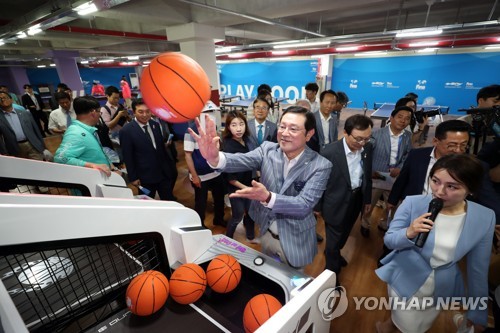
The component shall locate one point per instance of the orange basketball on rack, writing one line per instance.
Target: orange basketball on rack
(258, 310)
(223, 273)
(175, 87)
(147, 293)
(188, 283)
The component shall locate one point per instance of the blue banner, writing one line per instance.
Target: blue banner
(452, 80)
(286, 78)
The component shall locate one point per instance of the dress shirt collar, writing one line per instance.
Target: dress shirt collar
(348, 150)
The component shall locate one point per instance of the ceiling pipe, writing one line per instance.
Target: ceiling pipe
(252, 17)
(493, 10)
(111, 33)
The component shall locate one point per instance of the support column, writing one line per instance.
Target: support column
(67, 69)
(198, 42)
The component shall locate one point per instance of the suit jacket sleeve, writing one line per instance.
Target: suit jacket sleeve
(487, 195)
(127, 145)
(401, 182)
(395, 238)
(406, 148)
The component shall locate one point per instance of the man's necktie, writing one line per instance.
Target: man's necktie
(260, 134)
(68, 120)
(145, 127)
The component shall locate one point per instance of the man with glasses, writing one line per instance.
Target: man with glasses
(19, 132)
(261, 129)
(292, 182)
(348, 190)
(80, 145)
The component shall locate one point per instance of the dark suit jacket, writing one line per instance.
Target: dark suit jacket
(333, 132)
(338, 188)
(142, 160)
(412, 178)
(8, 140)
(28, 102)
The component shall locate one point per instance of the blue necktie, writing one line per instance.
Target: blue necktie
(68, 119)
(260, 134)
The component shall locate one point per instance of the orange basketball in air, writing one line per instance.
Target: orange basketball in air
(188, 283)
(147, 293)
(175, 87)
(258, 310)
(223, 273)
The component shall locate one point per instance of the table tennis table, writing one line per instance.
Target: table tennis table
(384, 110)
(243, 104)
(228, 98)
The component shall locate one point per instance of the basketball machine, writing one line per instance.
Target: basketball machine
(66, 261)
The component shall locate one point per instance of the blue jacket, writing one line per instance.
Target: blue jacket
(408, 267)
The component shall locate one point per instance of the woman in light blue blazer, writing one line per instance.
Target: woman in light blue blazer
(431, 274)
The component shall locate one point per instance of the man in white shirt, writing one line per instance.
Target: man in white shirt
(311, 92)
(113, 113)
(61, 118)
(326, 121)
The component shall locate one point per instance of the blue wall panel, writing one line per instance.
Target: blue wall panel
(451, 80)
(287, 78)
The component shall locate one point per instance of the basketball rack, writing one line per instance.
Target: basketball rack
(66, 262)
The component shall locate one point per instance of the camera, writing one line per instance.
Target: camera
(419, 115)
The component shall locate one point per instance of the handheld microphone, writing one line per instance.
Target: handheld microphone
(435, 207)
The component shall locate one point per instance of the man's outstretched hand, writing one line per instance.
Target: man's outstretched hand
(207, 139)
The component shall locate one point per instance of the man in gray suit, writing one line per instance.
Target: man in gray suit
(348, 191)
(19, 133)
(292, 182)
(261, 129)
(391, 147)
(326, 121)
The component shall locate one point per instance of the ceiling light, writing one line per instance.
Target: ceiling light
(102, 61)
(224, 49)
(280, 52)
(146, 62)
(304, 44)
(86, 8)
(222, 61)
(418, 33)
(41, 66)
(428, 49)
(21, 34)
(34, 31)
(84, 62)
(280, 58)
(2, 42)
(420, 44)
(243, 60)
(346, 48)
(52, 65)
(492, 47)
(236, 55)
(133, 58)
(370, 53)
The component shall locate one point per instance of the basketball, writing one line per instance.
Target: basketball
(175, 87)
(223, 273)
(147, 293)
(188, 283)
(258, 310)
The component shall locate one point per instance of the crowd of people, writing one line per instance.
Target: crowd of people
(283, 169)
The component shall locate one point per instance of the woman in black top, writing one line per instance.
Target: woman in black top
(236, 139)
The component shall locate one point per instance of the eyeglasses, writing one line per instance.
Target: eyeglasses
(454, 147)
(4, 99)
(361, 140)
(292, 129)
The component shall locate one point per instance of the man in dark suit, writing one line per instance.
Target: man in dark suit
(348, 190)
(261, 129)
(33, 102)
(144, 154)
(19, 133)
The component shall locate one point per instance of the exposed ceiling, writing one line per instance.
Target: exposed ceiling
(139, 27)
